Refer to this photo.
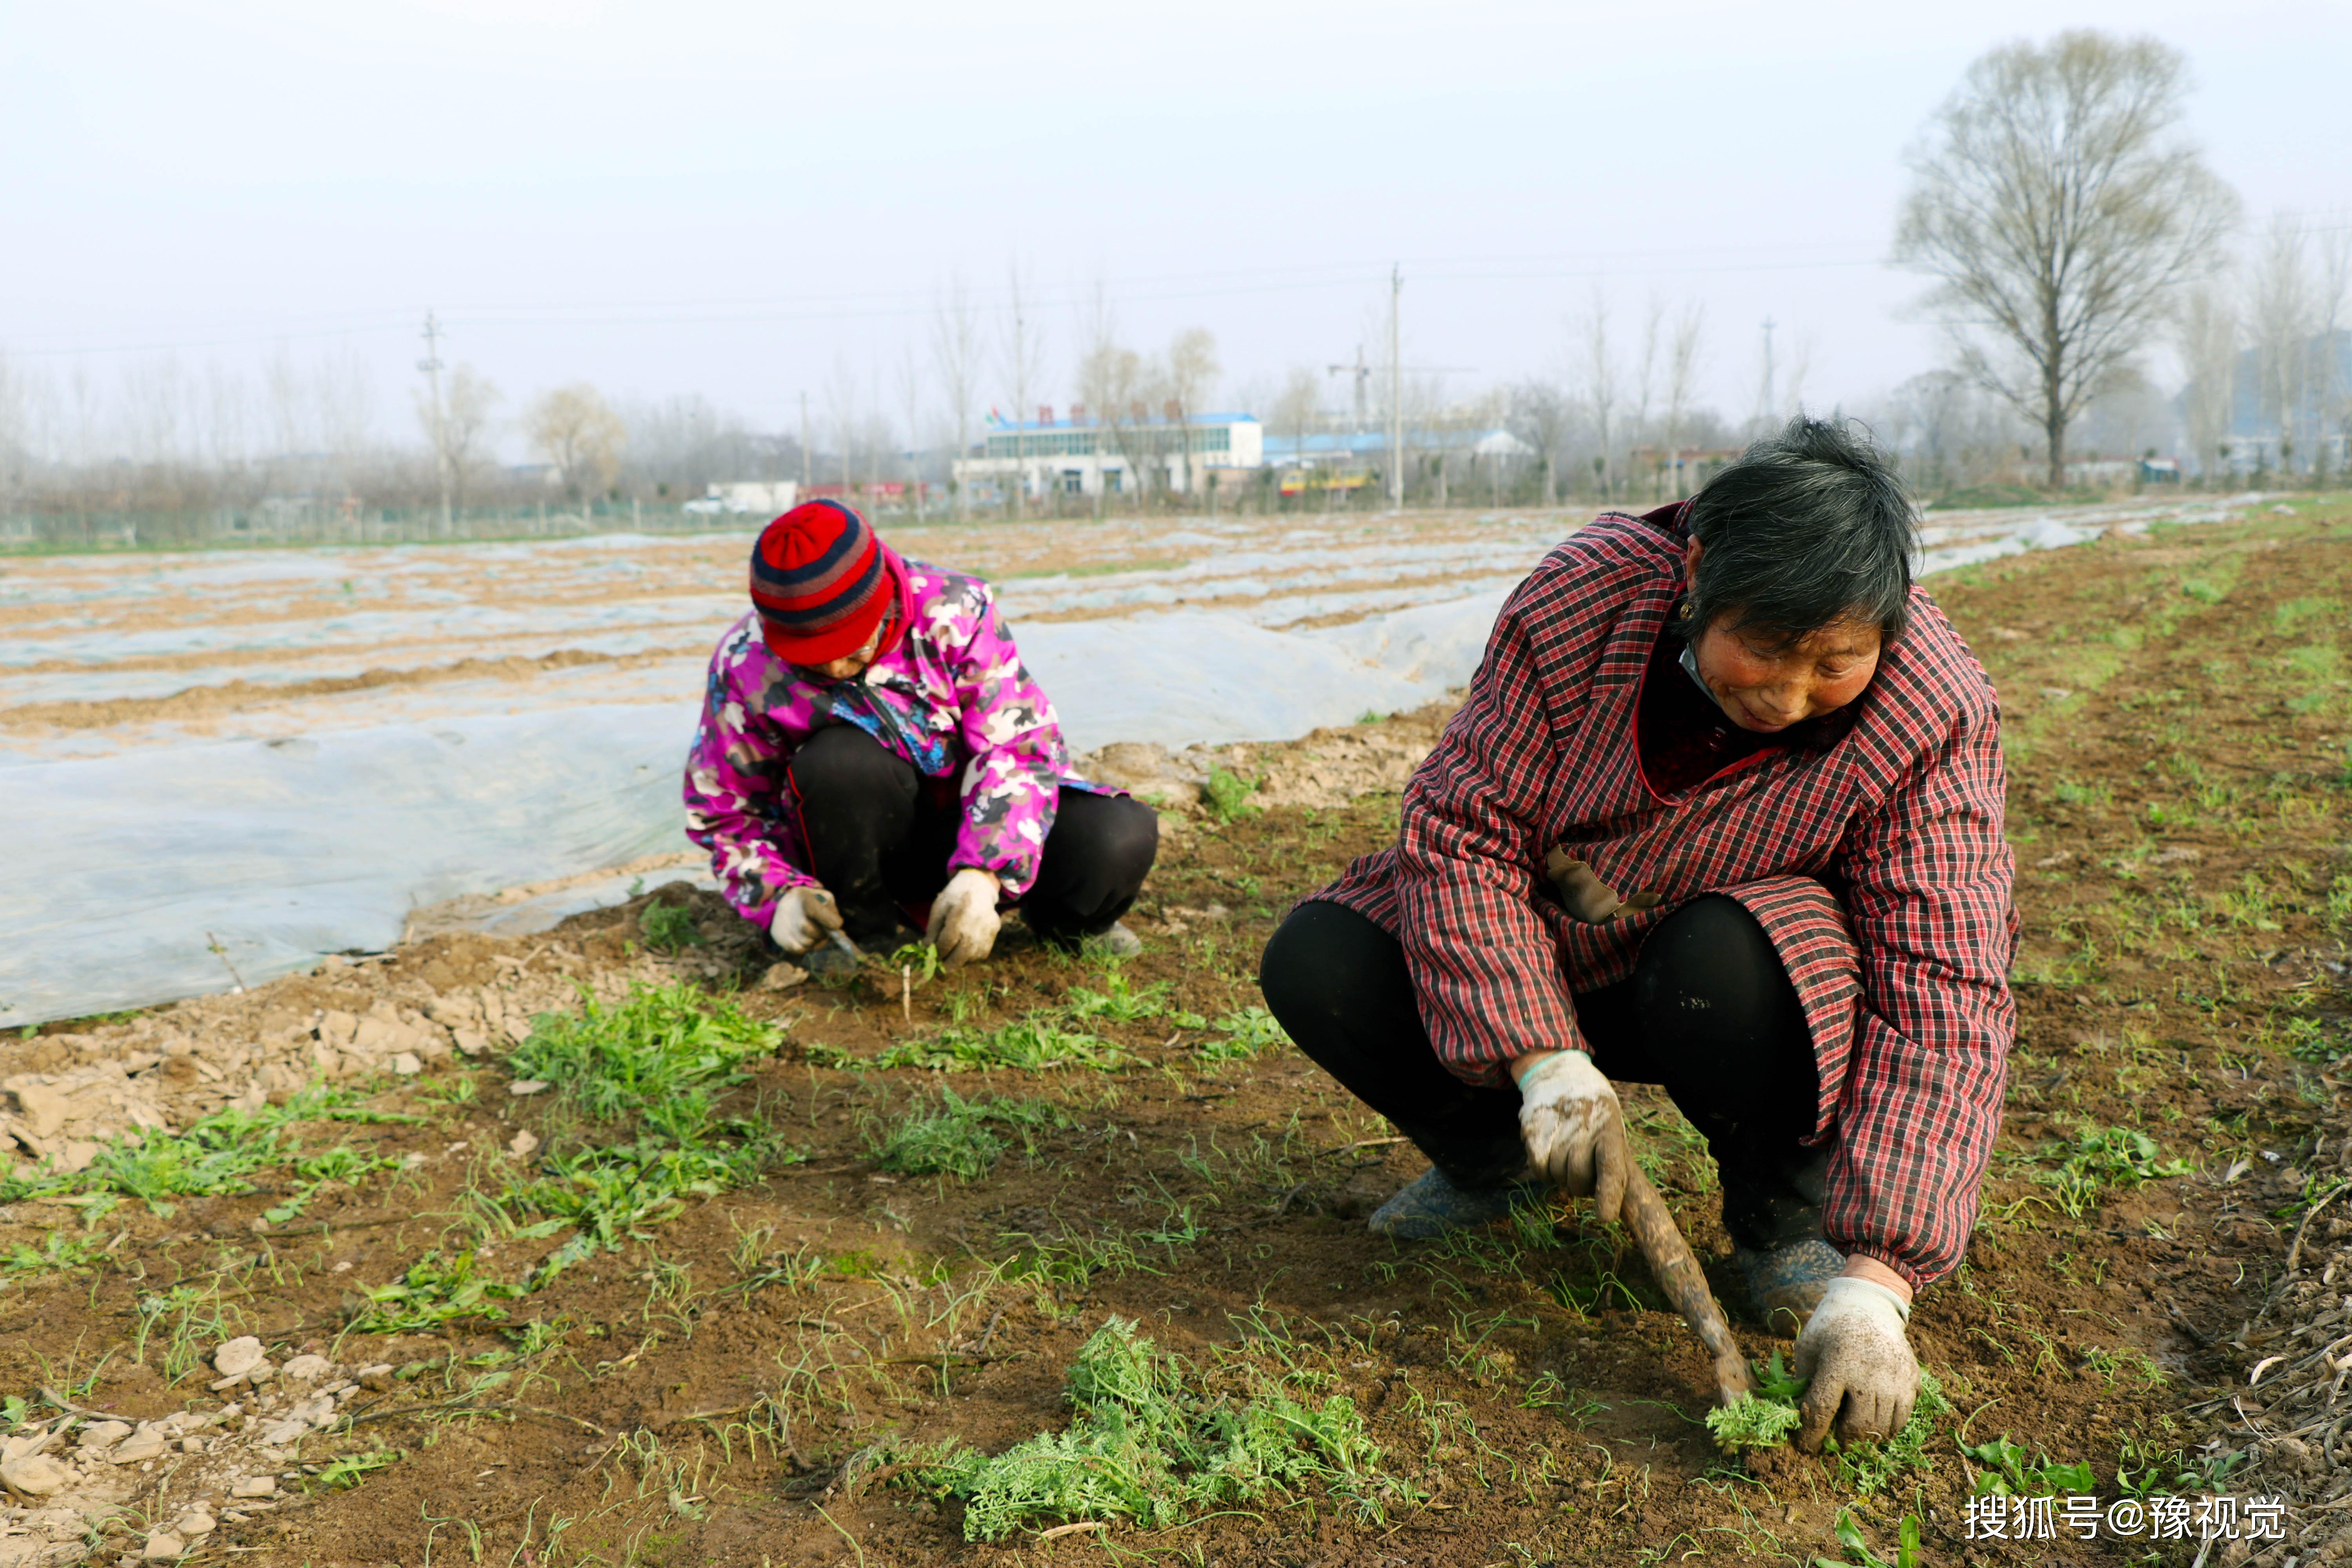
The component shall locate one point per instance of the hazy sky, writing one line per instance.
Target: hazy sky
(747, 201)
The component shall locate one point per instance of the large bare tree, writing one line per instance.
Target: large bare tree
(575, 429)
(955, 351)
(2055, 200)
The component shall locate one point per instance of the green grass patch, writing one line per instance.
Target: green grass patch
(2009, 1472)
(1242, 1035)
(1038, 1043)
(1226, 795)
(1150, 1444)
(2101, 1159)
(662, 1055)
(668, 927)
(1762, 1419)
(952, 1136)
(433, 1291)
(215, 1157)
(1116, 1001)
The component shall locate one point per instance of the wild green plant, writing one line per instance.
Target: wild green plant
(1762, 1419)
(343, 1474)
(213, 1158)
(668, 927)
(1243, 1035)
(1226, 795)
(1873, 1466)
(1860, 1555)
(58, 1254)
(434, 1290)
(2102, 1158)
(1146, 1444)
(1116, 1001)
(952, 1136)
(2008, 1472)
(1033, 1044)
(662, 1054)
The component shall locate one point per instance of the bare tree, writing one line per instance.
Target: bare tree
(1021, 360)
(1682, 383)
(2205, 336)
(574, 428)
(1192, 375)
(466, 408)
(2281, 318)
(1601, 387)
(1117, 386)
(1540, 416)
(955, 353)
(2052, 200)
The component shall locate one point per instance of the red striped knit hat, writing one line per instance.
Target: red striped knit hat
(822, 582)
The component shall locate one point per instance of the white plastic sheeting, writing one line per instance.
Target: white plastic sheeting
(124, 873)
(151, 875)
(278, 851)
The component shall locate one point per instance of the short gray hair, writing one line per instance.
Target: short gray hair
(1807, 528)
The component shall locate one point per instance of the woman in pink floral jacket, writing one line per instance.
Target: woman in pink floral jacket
(872, 748)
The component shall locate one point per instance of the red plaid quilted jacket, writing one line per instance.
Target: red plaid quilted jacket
(1899, 805)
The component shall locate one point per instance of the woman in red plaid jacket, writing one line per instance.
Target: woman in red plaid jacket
(1723, 813)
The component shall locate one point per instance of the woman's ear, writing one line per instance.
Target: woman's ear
(1690, 566)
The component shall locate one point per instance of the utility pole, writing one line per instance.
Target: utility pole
(431, 365)
(1766, 411)
(804, 452)
(1396, 389)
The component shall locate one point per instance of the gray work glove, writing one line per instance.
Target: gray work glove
(802, 917)
(964, 921)
(1864, 1377)
(1575, 1131)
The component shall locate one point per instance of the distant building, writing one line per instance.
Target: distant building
(746, 496)
(1079, 455)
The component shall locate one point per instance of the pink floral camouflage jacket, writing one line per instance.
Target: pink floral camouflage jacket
(952, 699)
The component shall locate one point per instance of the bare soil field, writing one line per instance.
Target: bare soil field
(622, 1244)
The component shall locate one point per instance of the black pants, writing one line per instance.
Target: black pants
(879, 836)
(1709, 1013)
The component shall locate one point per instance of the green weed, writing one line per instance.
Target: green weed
(1148, 1445)
(953, 1136)
(1226, 795)
(1874, 1465)
(1034, 1044)
(343, 1474)
(213, 1158)
(2102, 1158)
(661, 1056)
(2006, 1472)
(1242, 1035)
(434, 1290)
(1763, 1419)
(668, 927)
(1116, 1002)
(1860, 1555)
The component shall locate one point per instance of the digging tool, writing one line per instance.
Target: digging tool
(1589, 899)
(841, 940)
(1678, 1275)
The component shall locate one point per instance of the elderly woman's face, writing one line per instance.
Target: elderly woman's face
(1765, 689)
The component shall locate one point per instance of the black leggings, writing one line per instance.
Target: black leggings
(1708, 1013)
(879, 836)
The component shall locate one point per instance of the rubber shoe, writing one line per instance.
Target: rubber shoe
(825, 958)
(1785, 1284)
(1430, 1206)
(1116, 942)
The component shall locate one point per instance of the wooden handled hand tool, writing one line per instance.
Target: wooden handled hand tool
(1677, 1271)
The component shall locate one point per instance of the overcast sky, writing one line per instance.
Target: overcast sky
(747, 201)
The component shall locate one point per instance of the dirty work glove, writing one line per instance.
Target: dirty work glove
(1864, 1375)
(963, 917)
(803, 916)
(1574, 1132)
